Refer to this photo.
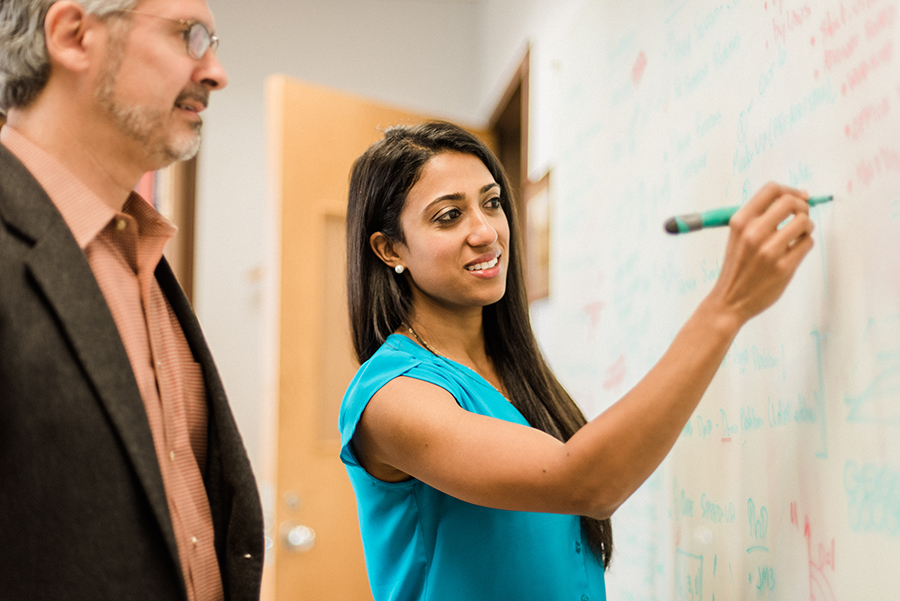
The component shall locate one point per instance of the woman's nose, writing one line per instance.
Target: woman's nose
(482, 232)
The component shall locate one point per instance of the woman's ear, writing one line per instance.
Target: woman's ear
(385, 249)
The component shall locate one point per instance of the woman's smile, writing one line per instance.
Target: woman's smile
(485, 268)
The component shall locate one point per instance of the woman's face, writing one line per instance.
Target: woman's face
(456, 247)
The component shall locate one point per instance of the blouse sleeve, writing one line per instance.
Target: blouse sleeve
(381, 368)
(391, 361)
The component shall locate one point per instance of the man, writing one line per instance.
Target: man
(122, 473)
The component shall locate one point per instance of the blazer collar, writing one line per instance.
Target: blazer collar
(25, 206)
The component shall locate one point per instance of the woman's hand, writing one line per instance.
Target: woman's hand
(761, 257)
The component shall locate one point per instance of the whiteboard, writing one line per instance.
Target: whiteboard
(785, 484)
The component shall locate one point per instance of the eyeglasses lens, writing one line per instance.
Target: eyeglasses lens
(199, 40)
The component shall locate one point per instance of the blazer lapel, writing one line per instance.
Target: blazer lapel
(230, 485)
(173, 292)
(62, 273)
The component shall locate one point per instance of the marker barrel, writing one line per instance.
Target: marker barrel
(692, 222)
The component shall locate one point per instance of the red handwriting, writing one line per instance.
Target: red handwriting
(863, 70)
(868, 116)
(832, 23)
(821, 563)
(593, 310)
(834, 57)
(884, 20)
(637, 72)
(789, 20)
(615, 375)
(887, 160)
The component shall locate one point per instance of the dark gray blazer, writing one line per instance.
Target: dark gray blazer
(83, 512)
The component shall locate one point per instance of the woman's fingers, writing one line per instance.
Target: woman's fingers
(794, 240)
(767, 212)
(765, 197)
(774, 231)
(785, 207)
(792, 215)
(770, 236)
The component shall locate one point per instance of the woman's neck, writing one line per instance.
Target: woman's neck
(455, 337)
(450, 334)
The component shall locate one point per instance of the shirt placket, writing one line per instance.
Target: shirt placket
(183, 465)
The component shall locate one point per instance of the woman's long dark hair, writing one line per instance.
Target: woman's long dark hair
(379, 300)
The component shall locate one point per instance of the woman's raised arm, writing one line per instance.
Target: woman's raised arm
(415, 429)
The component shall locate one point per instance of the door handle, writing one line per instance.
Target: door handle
(297, 538)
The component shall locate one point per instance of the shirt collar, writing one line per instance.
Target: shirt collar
(83, 210)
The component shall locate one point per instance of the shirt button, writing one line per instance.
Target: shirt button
(194, 540)
(585, 598)
(121, 224)
(577, 546)
(171, 455)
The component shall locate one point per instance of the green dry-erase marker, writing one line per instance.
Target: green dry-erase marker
(692, 222)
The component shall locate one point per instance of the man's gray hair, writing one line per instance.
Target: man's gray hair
(24, 63)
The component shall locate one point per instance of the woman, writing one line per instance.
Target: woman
(476, 475)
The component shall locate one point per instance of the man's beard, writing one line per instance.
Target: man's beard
(143, 124)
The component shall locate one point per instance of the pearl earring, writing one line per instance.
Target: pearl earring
(399, 269)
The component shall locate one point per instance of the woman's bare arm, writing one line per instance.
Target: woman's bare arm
(415, 429)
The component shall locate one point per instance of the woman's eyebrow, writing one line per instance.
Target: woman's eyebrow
(452, 196)
(458, 196)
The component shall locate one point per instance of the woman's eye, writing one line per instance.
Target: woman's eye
(448, 216)
(494, 203)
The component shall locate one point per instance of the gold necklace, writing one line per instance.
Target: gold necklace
(419, 339)
(453, 363)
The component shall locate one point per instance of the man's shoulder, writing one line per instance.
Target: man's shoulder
(24, 204)
(12, 167)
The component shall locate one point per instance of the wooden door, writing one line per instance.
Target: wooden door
(315, 135)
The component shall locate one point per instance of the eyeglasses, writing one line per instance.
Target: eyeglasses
(197, 37)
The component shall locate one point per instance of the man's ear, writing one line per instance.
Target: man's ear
(384, 249)
(69, 32)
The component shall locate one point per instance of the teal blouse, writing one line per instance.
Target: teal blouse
(423, 545)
